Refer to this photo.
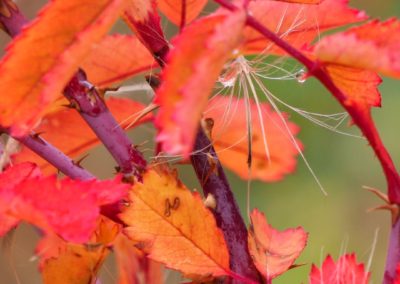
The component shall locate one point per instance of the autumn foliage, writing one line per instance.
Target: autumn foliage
(61, 79)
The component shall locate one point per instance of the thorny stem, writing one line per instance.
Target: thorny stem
(227, 212)
(362, 120)
(55, 157)
(65, 165)
(86, 99)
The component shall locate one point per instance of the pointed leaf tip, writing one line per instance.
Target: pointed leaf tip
(345, 271)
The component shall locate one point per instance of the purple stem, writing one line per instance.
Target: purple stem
(85, 98)
(11, 19)
(55, 157)
(213, 180)
(227, 212)
(393, 257)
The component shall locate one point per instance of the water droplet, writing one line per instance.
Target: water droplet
(301, 76)
(227, 82)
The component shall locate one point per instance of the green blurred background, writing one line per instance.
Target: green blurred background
(337, 223)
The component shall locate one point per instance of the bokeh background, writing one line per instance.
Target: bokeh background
(337, 223)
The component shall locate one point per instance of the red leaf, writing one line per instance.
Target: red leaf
(69, 208)
(298, 24)
(344, 271)
(57, 42)
(274, 252)
(66, 130)
(115, 59)
(9, 179)
(194, 65)
(229, 136)
(374, 46)
(181, 12)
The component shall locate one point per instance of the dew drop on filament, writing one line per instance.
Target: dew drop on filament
(301, 76)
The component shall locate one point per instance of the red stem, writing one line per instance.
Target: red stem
(361, 118)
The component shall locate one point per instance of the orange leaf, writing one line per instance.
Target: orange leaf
(68, 208)
(62, 262)
(359, 86)
(174, 226)
(298, 24)
(273, 251)
(116, 58)
(181, 12)
(57, 42)
(194, 65)
(229, 136)
(133, 265)
(374, 46)
(66, 130)
(344, 271)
